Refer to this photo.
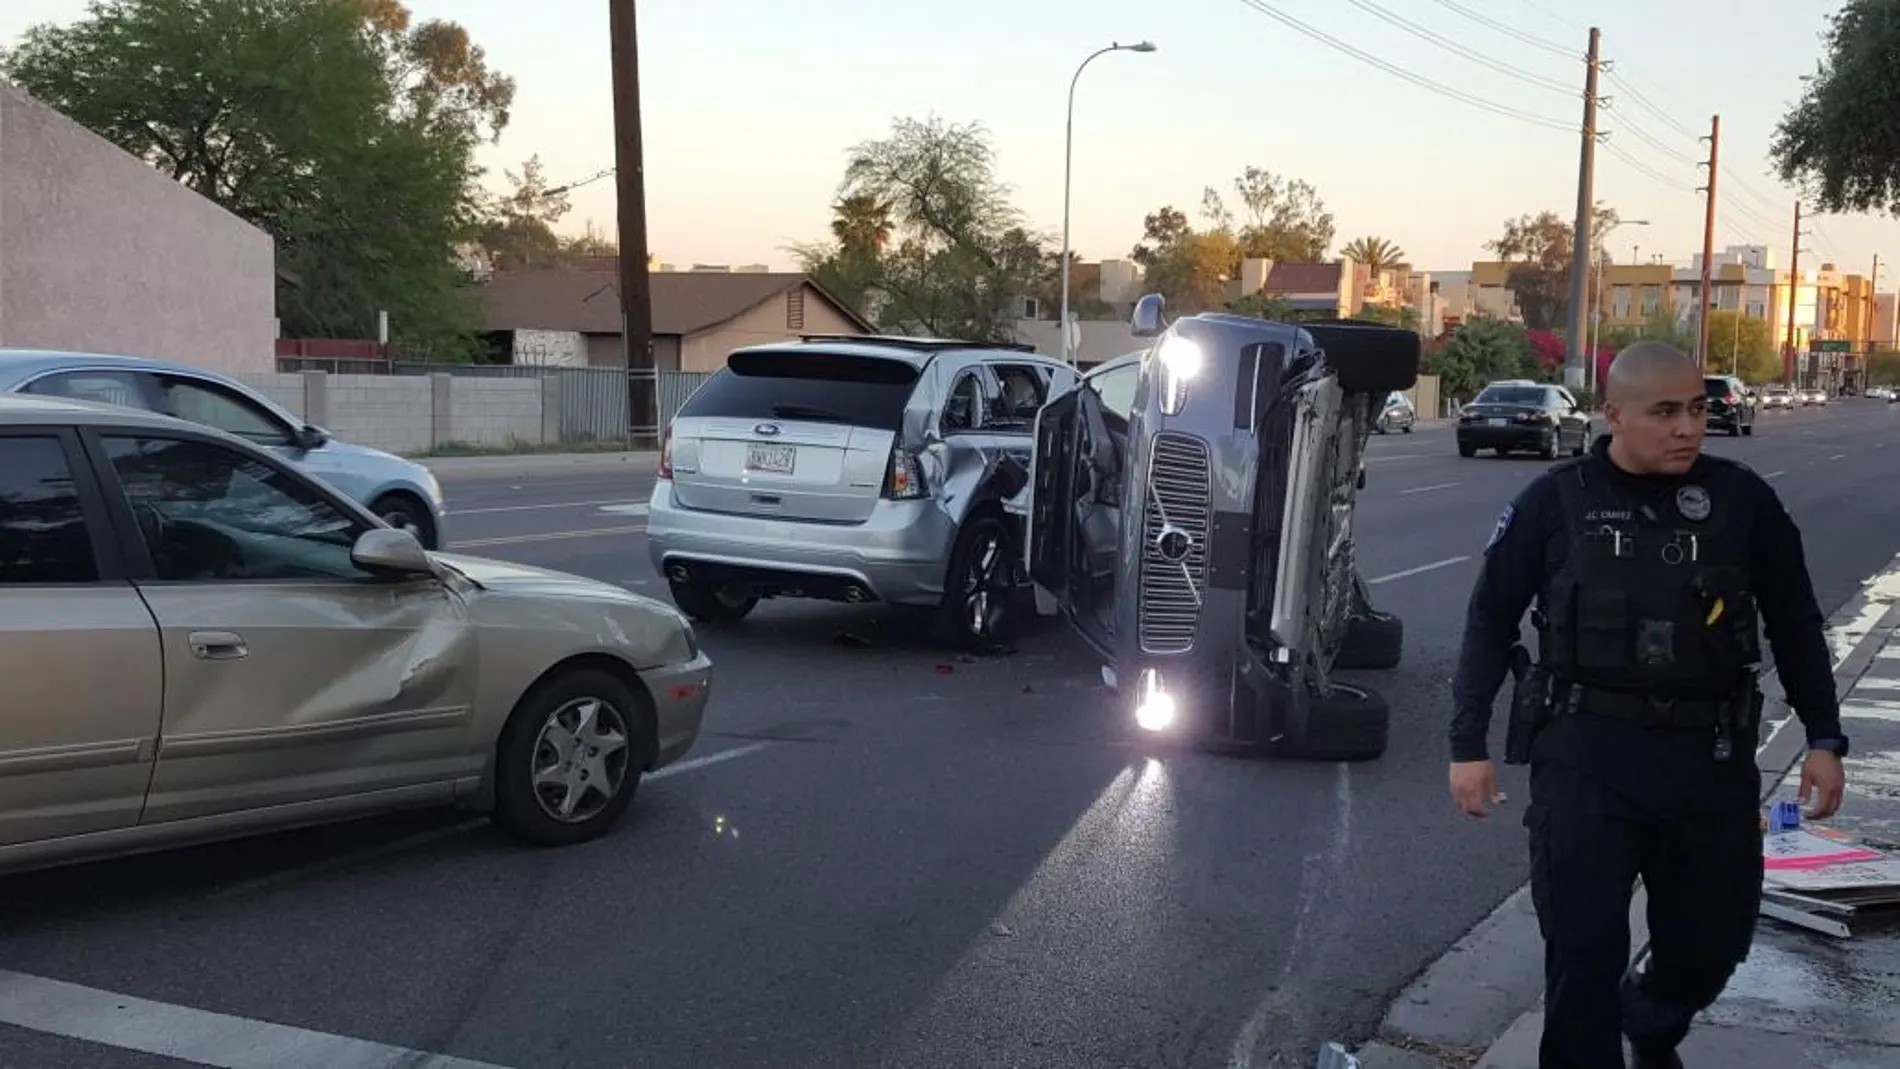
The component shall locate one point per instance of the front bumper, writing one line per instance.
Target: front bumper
(679, 693)
(900, 555)
(1508, 436)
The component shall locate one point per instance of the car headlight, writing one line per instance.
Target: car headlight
(1154, 706)
(1181, 361)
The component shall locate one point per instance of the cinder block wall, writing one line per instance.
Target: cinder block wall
(414, 413)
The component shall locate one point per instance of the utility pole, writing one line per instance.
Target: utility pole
(1794, 289)
(1586, 218)
(1867, 333)
(1707, 301)
(636, 295)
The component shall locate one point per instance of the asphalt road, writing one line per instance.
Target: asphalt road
(905, 857)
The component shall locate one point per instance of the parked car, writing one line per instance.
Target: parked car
(855, 469)
(1190, 516)
(1398, 415)
(198, 641)
(403, 492)
(1730, 407)
(1517, 415)
(1814, 397)
(1778, 397)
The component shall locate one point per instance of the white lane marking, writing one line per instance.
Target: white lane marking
(547, 536)
(214, 1039)
(631, 508)
(537, 508)
(1420, 570)
(1400, 456)
(692, 763)
(1775, 474)
(1837, 456)
(1427, 489)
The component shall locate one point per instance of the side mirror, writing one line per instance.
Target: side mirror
(1148, 320)
(310, 437)
(388, 551)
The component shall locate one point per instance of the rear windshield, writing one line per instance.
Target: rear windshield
(1715, 387)
(859, 391)
(1511, 395)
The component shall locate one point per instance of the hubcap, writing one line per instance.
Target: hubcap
(580, 760)
(402, 521)
(985, 587)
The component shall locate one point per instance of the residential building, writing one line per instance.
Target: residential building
(100, 252)
(1491, 296)
(1885, 333)
(1334, 288)
(571, 316)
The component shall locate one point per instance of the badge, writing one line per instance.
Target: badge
(1693, 503)
(1504, 524)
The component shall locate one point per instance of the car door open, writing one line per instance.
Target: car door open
(1079, 468)
(292, 676)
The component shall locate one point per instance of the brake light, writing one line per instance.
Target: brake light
(666, 455)
(1731, 399)
(904, 477)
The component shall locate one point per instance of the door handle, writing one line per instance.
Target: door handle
(218, 646)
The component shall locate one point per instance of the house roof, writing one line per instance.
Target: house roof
(585, 298)
(1302, 278)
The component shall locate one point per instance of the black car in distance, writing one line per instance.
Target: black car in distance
(1521, 416)
(1731, 406)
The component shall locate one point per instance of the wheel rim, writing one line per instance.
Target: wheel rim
(985, 584)
(579, 761)
(402, 520)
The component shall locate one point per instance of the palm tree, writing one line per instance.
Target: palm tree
(861, 223)
(1376, 253)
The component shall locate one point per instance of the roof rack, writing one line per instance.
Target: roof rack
(922, 345)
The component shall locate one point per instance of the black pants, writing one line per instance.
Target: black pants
(1591, 837)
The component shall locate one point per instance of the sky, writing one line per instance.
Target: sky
(751, 106)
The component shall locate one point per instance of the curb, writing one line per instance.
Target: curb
(1481, 1001)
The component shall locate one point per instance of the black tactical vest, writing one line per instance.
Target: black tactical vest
(1653, 596)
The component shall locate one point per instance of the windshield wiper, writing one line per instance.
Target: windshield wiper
(809, 412)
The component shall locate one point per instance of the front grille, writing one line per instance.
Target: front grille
(1170, 603)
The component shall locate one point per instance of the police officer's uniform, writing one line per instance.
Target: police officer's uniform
(1647, 590)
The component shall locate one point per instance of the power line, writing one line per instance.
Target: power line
(1554, 17)
(1566, 51)
(1644, 168)
(1454, 47)
(1644, 102)
(1399, 72)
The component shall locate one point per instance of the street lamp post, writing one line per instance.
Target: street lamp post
(1596, 318)
(1068, 162)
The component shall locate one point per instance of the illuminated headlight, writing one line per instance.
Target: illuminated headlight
(1181, 360)
(1154, 706)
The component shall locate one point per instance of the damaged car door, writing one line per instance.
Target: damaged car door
(292, 675)
(1079, 486)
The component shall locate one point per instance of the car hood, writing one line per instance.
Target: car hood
(506, 577)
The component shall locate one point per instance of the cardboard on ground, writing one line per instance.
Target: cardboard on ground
(1804, 861)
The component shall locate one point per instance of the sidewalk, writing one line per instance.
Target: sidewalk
(1805, 999)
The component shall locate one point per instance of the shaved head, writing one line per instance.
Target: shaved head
(1654, 400)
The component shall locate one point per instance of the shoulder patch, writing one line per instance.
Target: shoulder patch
(1504, 526)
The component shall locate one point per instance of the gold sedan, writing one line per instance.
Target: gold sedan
(197, 641)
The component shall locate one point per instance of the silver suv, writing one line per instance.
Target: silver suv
(853, 469)
(1191, 514)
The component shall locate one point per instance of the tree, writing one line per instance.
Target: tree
(1376, 253)
(1663, 325)
(519, 230)
(1284, 218)
(1742, 345)
(339, 128)
(1883, 369)
(1841, 141)
(963, 260)
(1540, 249)
(1480, 351)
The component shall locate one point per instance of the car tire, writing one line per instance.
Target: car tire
(1408, 428)
(1551, 447)
(1749, 428)
(709, 604)
(1467, 450)
(1352, 723)
(1373, 642)
(1583, 442)
(982, 586)
(1369, 358)
(406, 512)
(535, 756)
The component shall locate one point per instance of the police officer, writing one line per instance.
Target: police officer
(1649, 562)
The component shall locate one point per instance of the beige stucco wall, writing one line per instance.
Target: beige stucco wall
(769, 322)
(101, 253)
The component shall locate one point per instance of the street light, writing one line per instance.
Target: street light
(1596, 331)
(1068, 162)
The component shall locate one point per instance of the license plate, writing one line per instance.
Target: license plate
(1497, 421)
(771, 459)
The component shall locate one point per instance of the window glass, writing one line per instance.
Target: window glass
(208, 512)
(105, 387)
(1117, 389)
(965, 403)
(1510, 395)
(43, 535)
(226, 410)
(858, 391)
(1023, 391)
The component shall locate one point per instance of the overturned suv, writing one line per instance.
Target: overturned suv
(1190, 513)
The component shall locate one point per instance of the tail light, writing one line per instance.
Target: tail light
(666, 455)
(903, 477)
(1732, 399)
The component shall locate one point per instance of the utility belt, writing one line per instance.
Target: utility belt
(1539, 698)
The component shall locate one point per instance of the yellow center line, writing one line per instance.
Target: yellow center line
(547, 536)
